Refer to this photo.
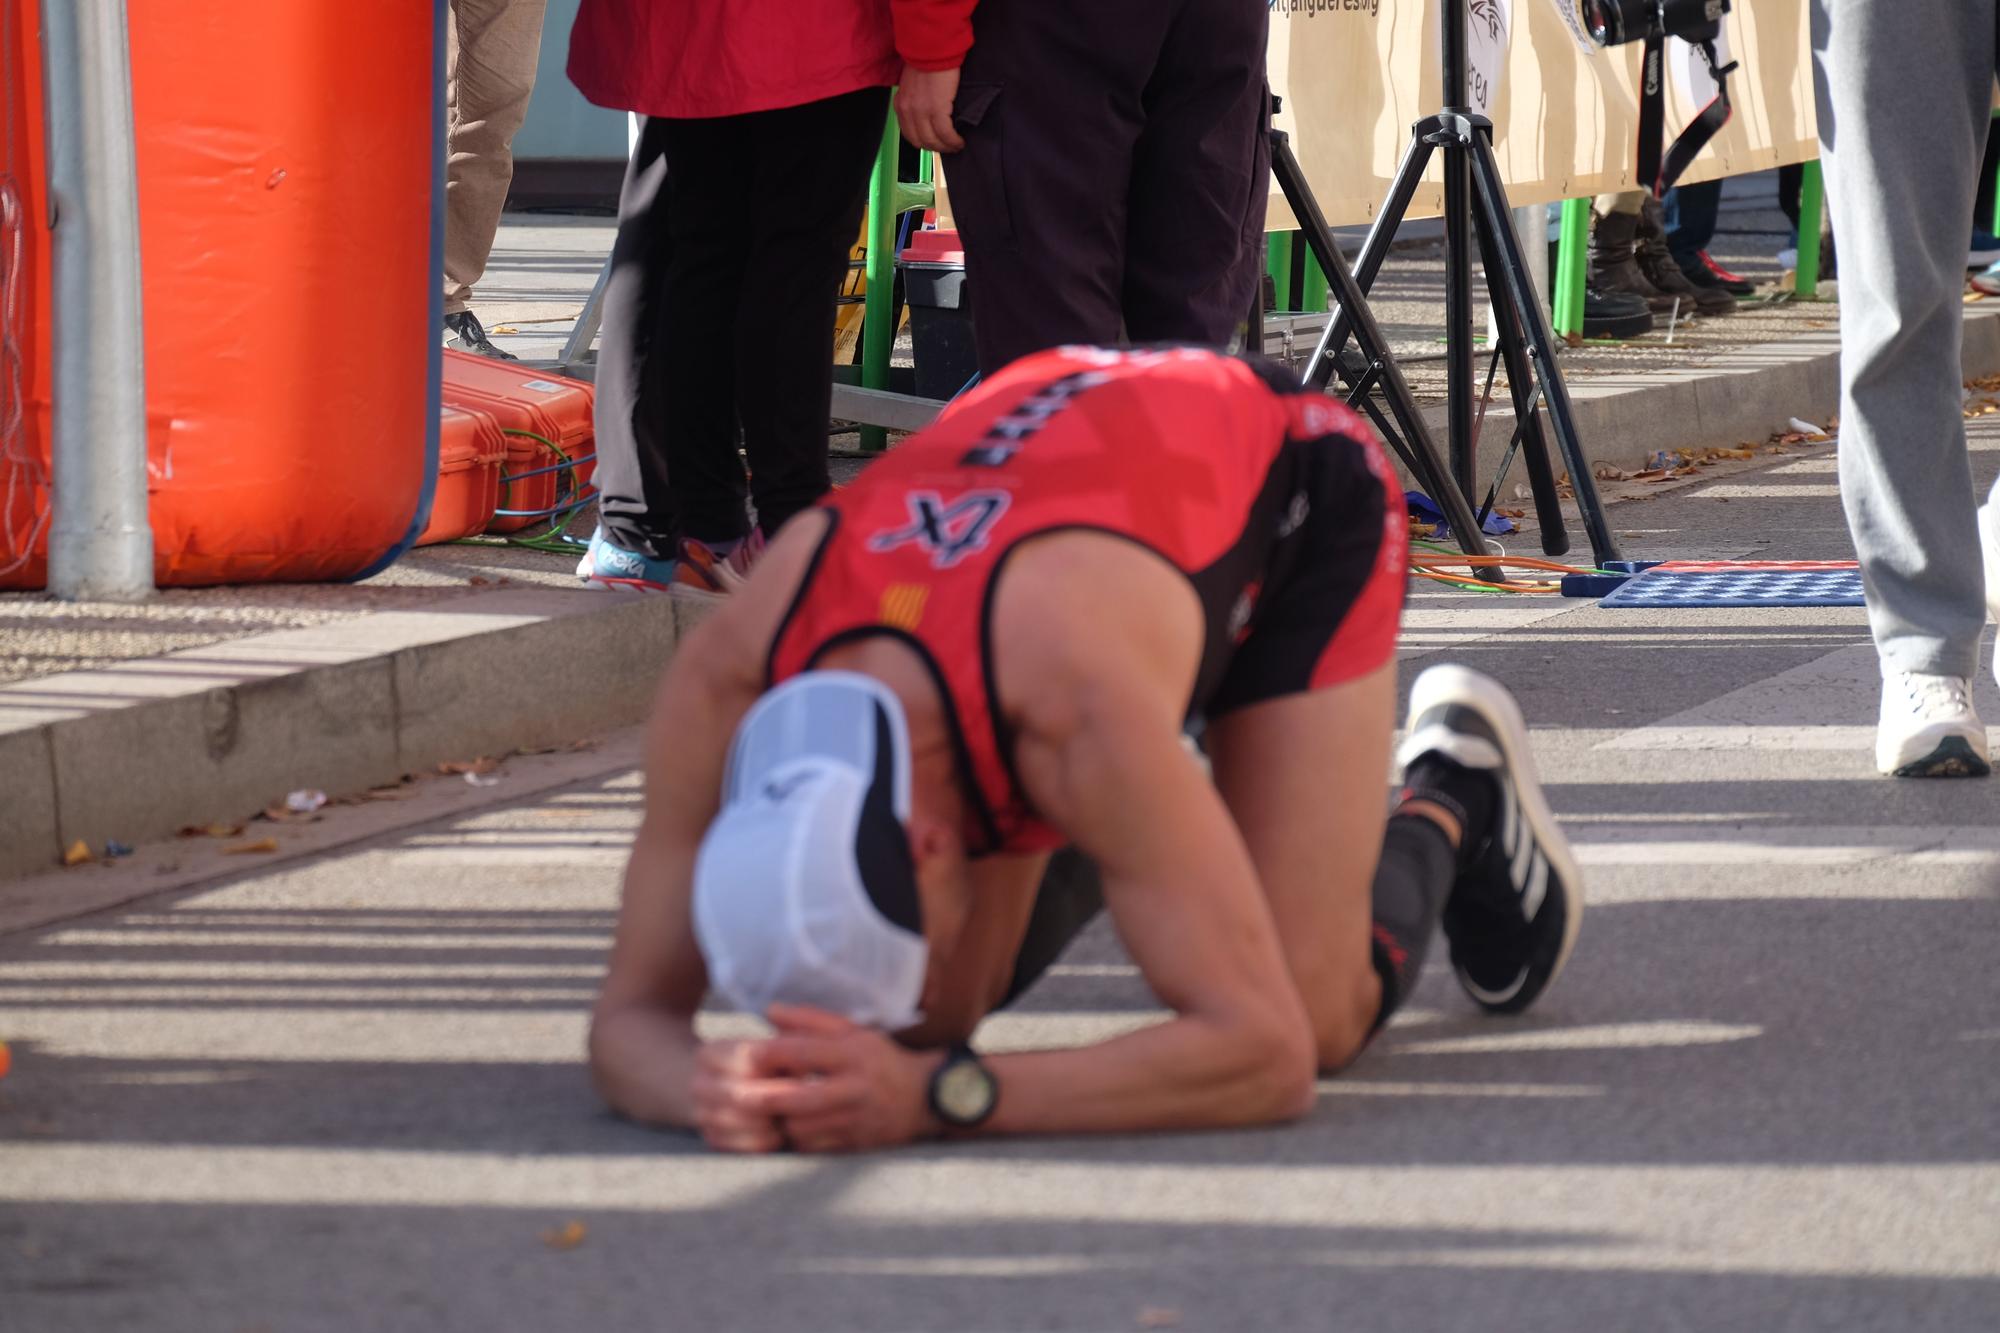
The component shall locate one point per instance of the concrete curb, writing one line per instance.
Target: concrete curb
(1622, 419)
(138, 750)
(31, 901)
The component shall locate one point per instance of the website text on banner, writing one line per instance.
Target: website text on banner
(1354, 74)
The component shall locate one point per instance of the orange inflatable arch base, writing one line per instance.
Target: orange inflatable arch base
(24, 300)
(290, 173)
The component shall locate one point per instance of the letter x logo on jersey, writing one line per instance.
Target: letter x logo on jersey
(950, 532)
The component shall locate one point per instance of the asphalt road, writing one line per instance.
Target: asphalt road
(346, 1093)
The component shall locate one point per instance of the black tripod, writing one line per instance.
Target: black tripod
(1526, 345)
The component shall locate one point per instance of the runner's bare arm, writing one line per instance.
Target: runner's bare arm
(642, 1041)
(644, 1056)
(1102, 669)
(1239, 1049)
(1185, 900)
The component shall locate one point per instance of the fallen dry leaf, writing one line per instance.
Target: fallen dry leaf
(572, 747)
(486, 763)
(249, 848)
(565, 1237)
(77, 853)
(211, 830)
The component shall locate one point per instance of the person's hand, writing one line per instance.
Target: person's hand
(923, 106)
(730, 1083)
(840, 1087)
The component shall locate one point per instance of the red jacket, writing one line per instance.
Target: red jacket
(697, 58)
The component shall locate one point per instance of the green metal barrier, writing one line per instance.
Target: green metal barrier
(1812, 198)
(1312, 293)
(1573, 238)
(888, 199)
(1278, 263)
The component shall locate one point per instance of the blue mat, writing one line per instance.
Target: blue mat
(1749, 583)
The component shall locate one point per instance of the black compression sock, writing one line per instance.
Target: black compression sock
(1468, 793)
(1412, 881)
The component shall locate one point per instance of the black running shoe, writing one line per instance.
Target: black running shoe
(1513, 912)
(464, 331)
(1703, 271)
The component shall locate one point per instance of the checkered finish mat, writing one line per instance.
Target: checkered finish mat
(1742, 583)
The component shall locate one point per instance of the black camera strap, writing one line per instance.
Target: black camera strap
(1655, 172)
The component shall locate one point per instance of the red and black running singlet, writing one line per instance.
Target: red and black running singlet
(1189, 453)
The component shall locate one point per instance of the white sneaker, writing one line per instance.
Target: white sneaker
(1989, 556)
(1928, 728)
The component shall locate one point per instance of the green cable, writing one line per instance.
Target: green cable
(1442, 549)
(1468, 585)
(556, 540)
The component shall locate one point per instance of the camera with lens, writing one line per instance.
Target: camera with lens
(1615, 22)
(1696, 22)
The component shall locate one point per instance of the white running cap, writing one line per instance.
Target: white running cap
(805, 891)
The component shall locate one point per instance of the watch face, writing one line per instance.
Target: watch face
(965, 1092)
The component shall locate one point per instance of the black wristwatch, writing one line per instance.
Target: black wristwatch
(963, 1091)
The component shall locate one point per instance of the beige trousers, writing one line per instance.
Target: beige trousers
(1622, 201)
(491, 50)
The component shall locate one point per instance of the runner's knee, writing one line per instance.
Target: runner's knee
(1342, 1027)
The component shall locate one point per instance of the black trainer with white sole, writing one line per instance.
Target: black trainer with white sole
(1512, 916)
(463, 330)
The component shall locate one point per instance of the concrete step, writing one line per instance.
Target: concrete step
(142, 748)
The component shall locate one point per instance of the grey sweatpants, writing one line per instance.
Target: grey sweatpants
(1905, 88)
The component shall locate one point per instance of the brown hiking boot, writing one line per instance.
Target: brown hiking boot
(1657, 262)
(1613, 266)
